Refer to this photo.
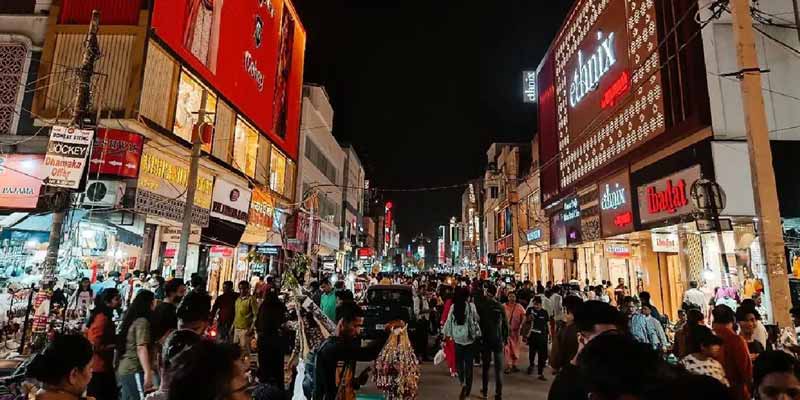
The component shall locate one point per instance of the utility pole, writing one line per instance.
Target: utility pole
(770, 232)
(80, 106)
(191, 187)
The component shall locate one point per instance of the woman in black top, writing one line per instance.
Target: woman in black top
(271, 343)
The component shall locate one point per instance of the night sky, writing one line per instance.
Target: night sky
(421, 92)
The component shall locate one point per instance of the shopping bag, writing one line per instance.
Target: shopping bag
(439, 357)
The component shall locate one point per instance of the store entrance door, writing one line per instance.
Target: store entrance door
(618, 268)
(677, 285)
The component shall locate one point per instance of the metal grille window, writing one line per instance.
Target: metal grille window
(12, 67)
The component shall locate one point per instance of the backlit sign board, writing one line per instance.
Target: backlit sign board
(528, 88)
(667, 197)
(616, 209)
(607, 84)
(571, 218)
(251, 52)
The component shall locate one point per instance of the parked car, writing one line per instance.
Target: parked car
(385, 303)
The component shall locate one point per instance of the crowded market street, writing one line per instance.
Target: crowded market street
(394, 200)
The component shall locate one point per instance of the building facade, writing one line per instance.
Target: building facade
(321, 175)
(154, 81)
(352, 206)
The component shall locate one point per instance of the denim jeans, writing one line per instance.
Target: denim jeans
(465, 357)
(488, 356)
(132, 386)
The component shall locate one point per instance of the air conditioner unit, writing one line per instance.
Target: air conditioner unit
(104, 193)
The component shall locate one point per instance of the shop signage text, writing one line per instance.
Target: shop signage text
(667, 197)
(616, 212)
(664, 242)
(670, 199)
(708, 225)
(116, 152)
(589, 72)
(20, 180)
(571, 210)
(618, 89)
(618, 250)
(534, 235)
(161, 189)
(528, 88)
(268, 250)
(172, 234)
(613, 199)
(65, 160)
(230, 202)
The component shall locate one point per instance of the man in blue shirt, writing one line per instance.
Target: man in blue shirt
(640, 329)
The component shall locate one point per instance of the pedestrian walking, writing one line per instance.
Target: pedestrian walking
(747, 319)
(100, 332)
(328, 299)
(194, 312)
(245, 318)
(660, 342)
(174, 344)
(734, 356)
(516, 316)
(462, 326)
(538, 337)
(64, 367)
(223, 311)
(565, 341)
(686, 338)
(759, 330)
(165, 319)
(448, 346)
(209, 371)
(695, 298)
(702, 359)
(494, 327)
(271, 343)
(134, 348)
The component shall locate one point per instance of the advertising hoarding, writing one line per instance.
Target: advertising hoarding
(608, 90)
(161, 189)
(66, 156)
(616, 209)
(252, 52)
(667, 197)
(116, 152)
(230, 202)
(21, 178)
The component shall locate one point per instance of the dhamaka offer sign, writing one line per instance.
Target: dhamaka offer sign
(251, 51)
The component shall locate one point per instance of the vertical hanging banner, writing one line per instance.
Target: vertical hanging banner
(66, 156)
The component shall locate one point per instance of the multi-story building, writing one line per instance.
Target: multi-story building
(169, 75)
(621, 148)
(501, 233)
(321, 177)
(471, 219)
(352, 204)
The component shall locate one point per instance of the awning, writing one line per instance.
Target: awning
(221, 232)
(43, 223)
(11, 219)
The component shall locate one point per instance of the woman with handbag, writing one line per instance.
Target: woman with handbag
(462, 326)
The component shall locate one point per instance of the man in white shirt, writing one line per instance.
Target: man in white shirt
(695, 297)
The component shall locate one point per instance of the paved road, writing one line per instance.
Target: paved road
(436, 383)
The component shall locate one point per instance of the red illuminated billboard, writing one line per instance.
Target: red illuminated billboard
(252, 52)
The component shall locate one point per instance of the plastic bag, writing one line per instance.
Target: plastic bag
(439, 357)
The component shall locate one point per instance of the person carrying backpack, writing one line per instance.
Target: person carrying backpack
(463, 327)
(494, 327)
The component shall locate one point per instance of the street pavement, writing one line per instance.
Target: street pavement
(436, 383)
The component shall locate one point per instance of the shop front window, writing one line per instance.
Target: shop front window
(245, 147)
(277, 172)
(289, 187)
(190, 93)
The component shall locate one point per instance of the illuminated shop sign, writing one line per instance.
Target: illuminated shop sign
(667, 197)
(607, 85)
(618, 250)
(528, 88)
(570, 217)
(161, 188)
(534, 235)
(616, 211)
(589, 71)
(664, 242)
